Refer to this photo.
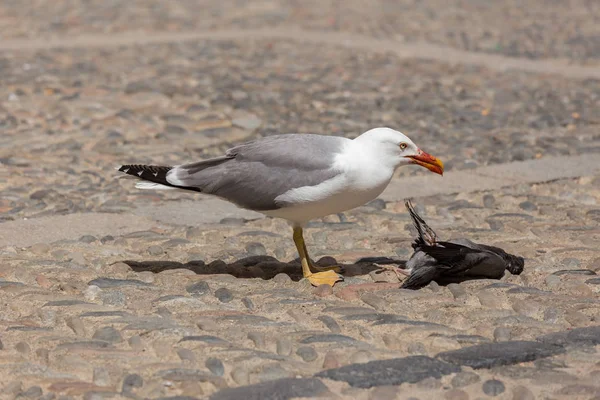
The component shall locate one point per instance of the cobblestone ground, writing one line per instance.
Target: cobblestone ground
(147, 306)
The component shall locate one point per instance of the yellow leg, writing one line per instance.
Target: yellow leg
(314, 268)
(314, 276)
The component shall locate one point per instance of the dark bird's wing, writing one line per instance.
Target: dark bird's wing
(426, 235)
(468, 262)
(421, 276)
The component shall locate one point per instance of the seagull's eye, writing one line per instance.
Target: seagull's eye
(403, 146)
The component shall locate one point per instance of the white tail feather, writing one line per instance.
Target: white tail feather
(152, 185)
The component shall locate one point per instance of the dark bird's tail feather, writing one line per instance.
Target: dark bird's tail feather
(427, 235)
(152, 173)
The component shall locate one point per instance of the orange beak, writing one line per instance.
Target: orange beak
(428, 161)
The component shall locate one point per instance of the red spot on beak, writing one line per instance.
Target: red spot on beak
(428, 161)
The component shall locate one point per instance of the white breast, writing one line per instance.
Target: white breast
(361, 180)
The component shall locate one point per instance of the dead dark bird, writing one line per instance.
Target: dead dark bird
(456, 260)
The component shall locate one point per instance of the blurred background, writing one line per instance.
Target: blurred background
(90, 84)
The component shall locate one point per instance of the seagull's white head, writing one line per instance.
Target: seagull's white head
(398, 149)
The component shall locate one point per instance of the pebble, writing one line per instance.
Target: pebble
(361, 356)
(502, 334)
(383, 393)
(330, 323)
(457, 290)
(331, 360)
(101, 376)
(489, 201)
(132, 382)
(256, 249)
(108, 334)
(87, 239)
(215, 366)
(135, 342)
(284, 347)
(194, 233)
(307, 353)
(40, 248)
(248, 303)
(76, 324)
(224, 295)
(34, 392)
(416, 348)
(528, 206)
(258, 338)
(323, 291)
(155, 250)
(464, 378)
(456, 394)
(198, 289)
(186, 355)
(282, 279)
(23, 348)
(522, 393)
(493, 387)
(430, 383)
(240, 375)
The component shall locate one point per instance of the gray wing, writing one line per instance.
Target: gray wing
(254, 174)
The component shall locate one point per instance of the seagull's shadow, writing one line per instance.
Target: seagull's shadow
(264, 267)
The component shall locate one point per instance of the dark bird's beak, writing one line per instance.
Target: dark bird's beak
(428, 161)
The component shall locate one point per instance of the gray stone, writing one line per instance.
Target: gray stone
(493, 387)
(199, 288)
(580, 390)
(256, 249)
(104, 283)
(113, 298)
(574, 272)
(271, 372)
(132, 382)
(464, 378)
(281, 389)
(282, 279)
(258, 338)
(248, 303)
(488, 355)
(528, 206)
(215, 366)
(489, 201)
(76, 325)
(284, 347)
(108, 334)
(87, 239)
(103, 314)
(204, 338)
(255, 320)
(64, 303)
(328, 338)
(34, 392)
(186, 375)
(186, 355)
(579, 336)
(330, 323)
(307, 353)
(394, 371)
(502, 334)
(457, 290)
(101, 376)
(456, 394)
(522, 393)
(416, 348)
(224, 295)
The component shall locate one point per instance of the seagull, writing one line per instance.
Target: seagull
(455, 260)
(296, 177)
